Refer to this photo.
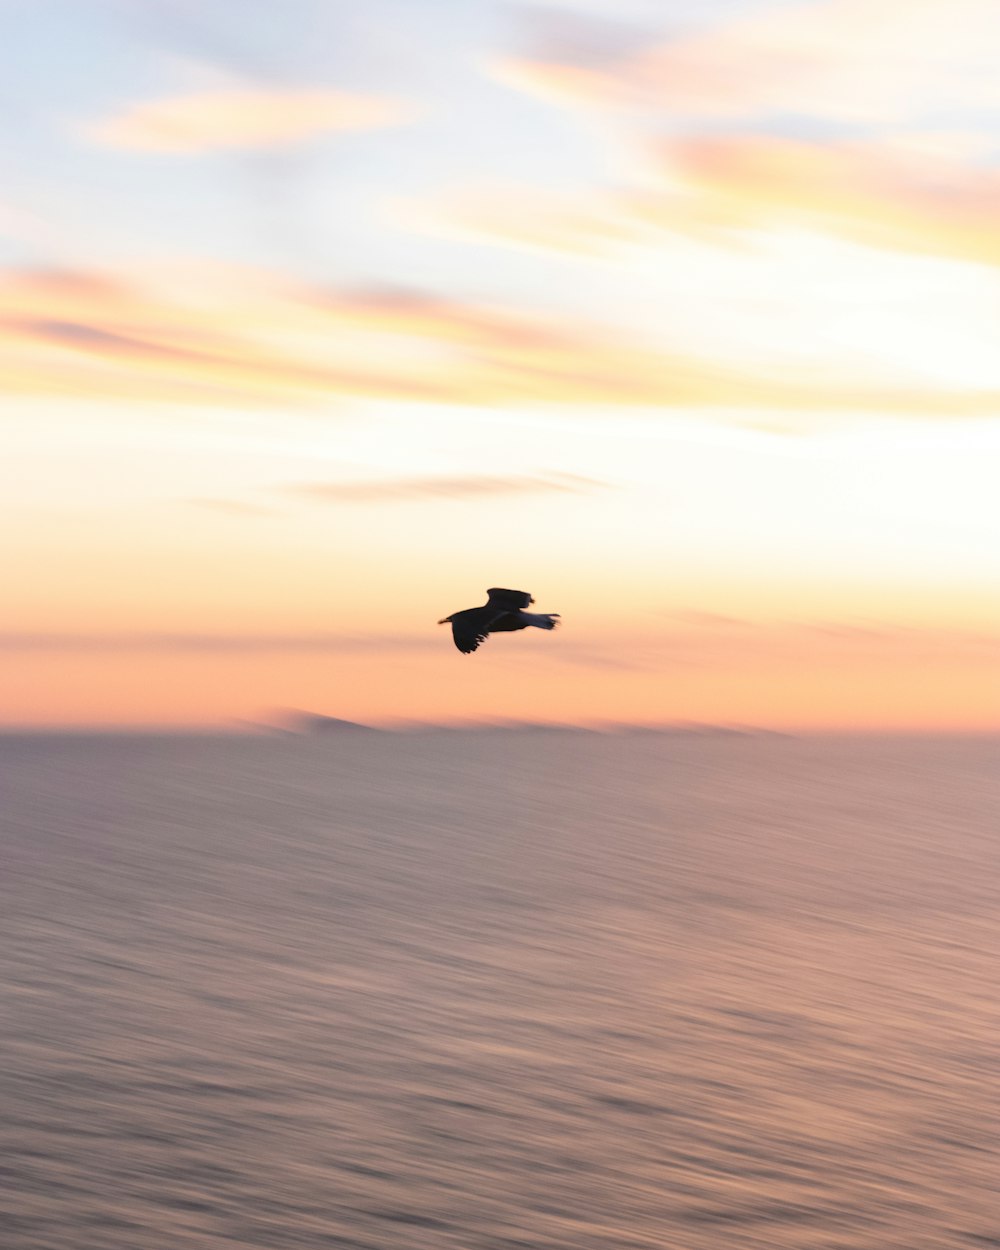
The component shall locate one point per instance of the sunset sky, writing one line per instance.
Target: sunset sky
(318, 318)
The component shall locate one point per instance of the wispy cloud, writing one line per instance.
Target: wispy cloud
(559, 82)
(577, 224)
(470, 486)
(833, 60)
(926, 193)
(912, 101)
(67, 333)
(705, 637)
(249, 119)
(706, 643)
(529, 650)
(892, 195)
(195, 643)
(707, 620)
(93, 339)
(235, 508)
(775, 651)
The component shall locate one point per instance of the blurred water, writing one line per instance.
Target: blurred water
(532, 989)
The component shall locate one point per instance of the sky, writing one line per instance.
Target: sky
(317, 319)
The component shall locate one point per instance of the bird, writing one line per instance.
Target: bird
(502, 613)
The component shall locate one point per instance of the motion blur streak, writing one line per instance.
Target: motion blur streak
(499, 989)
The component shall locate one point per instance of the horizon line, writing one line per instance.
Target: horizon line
(315, 725)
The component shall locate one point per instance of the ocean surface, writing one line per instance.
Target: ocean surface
(532, 989)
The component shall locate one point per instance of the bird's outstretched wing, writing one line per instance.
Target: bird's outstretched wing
(508, 600)
(468, 634)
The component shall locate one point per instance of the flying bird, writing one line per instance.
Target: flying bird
(502, 613)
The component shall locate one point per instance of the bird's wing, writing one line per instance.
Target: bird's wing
(467, 635)
(471, 628)
(508, 600)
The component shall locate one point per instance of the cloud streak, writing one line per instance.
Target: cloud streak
(247, 119)
(470, 486)
(76, 333)
(917, 194)
(912, 94)
(876, 193)
(696, 639)
(834, 60)
(235, 508)
(208, 644)
(577, 224)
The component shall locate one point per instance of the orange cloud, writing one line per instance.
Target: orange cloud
(91, 337)
(914, 194)
(244, 119)
(869, 193)
(909, 189)
(62, 332)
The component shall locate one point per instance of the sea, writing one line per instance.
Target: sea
(497, 988)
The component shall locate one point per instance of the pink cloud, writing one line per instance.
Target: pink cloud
(841, 60)
(877, 194)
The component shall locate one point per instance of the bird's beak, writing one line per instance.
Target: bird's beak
(444, 620)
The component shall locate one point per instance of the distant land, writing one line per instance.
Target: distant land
(297, 722)
(313, 723)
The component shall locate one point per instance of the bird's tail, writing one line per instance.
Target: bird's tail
(541, 620)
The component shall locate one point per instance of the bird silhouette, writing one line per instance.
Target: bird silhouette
(502, 613)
